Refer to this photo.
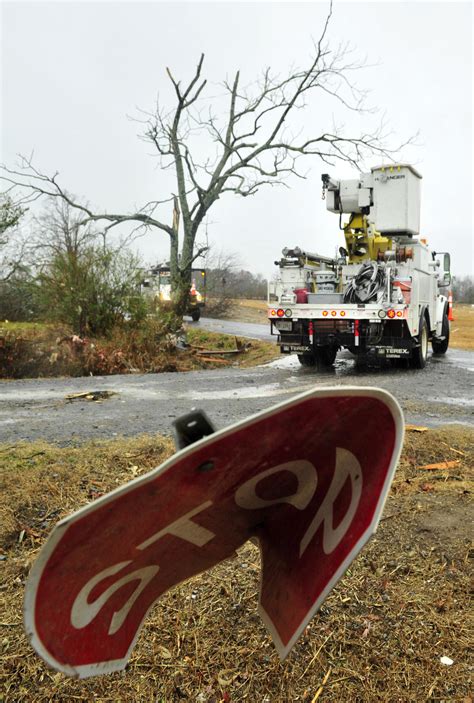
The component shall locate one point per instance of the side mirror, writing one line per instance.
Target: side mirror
(445, 265)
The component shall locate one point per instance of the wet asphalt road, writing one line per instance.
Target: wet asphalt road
(241, 329)
(37, 409)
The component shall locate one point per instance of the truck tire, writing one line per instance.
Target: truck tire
(420, 353)
(326, 356)
(307, 359)
(196, 315)
(440, 346)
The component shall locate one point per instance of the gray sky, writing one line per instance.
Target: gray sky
(74, 72)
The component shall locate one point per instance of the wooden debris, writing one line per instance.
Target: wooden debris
(441, 465)
(456, 451)
(239, 349)
(416, 428)
(220, 352)
(321, 688)
(214, 360)
(90, 395)
(223, 352)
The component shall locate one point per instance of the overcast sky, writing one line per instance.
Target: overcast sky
(73, 73)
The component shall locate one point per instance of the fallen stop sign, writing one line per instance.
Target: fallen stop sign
(307, 478)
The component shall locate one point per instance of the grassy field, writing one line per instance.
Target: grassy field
(402, 605)
(462, 328)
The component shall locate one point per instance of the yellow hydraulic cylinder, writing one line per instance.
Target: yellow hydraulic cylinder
(363, 242)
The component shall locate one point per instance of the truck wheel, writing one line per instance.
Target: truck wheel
(440, 346)
(326, 355)
(307, 359)
(420, 354)
(196, 315)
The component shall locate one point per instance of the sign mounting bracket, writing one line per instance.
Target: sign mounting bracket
(190, 428)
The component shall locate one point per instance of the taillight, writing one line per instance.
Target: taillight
(399, 313)
(280, 312)
(342, 313)
(288, 312)
(333, 313)
(325, 313)
(391, 314)
(273, 313)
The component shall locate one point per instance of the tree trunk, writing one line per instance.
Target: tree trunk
(181, 295)
(179, 282)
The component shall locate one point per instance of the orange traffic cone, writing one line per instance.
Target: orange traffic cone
(450, 307)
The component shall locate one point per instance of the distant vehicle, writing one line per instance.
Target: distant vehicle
(384, 296)
(156, 285)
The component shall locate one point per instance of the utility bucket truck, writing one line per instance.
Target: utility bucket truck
(156, 286)
(384, 296)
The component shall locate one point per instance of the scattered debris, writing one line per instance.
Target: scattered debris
(214, 360)
(45, 351)
(447, 661)
(96, 396)
(452, 449)
(164, 652)
(239, 349)
(416, 428)
(441, 465)
(321, 688)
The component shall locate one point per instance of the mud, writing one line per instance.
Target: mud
(38, 409)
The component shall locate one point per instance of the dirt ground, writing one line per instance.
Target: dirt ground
(462, 328)
(380, 635)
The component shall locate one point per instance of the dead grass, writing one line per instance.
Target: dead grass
(462, 328)
(379, 637)
(247, 311)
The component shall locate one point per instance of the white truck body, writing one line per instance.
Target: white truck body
(386, 295)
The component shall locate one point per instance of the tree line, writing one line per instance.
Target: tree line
(463, 289)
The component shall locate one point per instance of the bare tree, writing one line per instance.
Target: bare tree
(11, 245)
(252, 144)
(60, 229)
(221, 268)
(82, 279)
(463, 289)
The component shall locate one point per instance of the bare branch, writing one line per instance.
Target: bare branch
(36, 184)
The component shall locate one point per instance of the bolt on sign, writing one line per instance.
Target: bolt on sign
(307, 478)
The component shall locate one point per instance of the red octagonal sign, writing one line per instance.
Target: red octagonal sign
(307, 478)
